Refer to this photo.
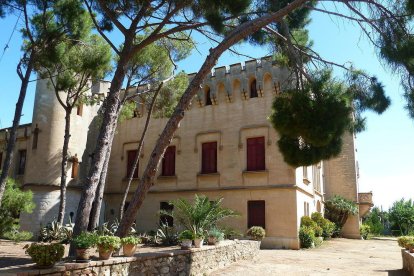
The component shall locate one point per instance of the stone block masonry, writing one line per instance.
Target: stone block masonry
(408, 261)
(196, 261)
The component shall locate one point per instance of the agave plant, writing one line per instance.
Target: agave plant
(201, 215)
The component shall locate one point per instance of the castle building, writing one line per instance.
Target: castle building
(225, 147)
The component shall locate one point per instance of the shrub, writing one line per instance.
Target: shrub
(201, 215)
(14, 202)
(308, 222)
(55, 232)
(306, 237)
(130, 240)
(403, 241)
(166, 235)
(327, 226)
(107, 243)
(365, 231)
(85, 240)
(216, 233)
(186, 235)
(256, 232)
(44, 254)
(230, 233)
(18, 236)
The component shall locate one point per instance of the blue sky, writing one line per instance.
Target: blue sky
(385, 150)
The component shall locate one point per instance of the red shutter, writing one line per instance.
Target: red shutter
(168, 162)
(130, 163)
(256, 213)
(256, 154)
(209, 157)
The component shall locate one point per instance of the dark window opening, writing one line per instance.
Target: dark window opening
(75, 167)
(1, 159)
(208, 97)
(256, 154)
(132, 154)
(168, 162)
(256, 213)
(166, 219)
(22, 162)
(79, 110)
(35, 137)
(126, 206)
(209, 157)
(253, 89)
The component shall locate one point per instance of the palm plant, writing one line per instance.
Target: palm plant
(201, 215)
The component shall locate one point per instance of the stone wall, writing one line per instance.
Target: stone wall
(408, 261)
(196, 261)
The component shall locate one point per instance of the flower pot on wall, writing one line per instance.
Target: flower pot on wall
(105, 254)
(198, 243)
(129, 249)
(186, 244)
(212, 241)
(83, 254)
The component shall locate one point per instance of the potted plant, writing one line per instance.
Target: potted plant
(84, 242)
(215, 236)
(45, 255)
(403, 241)
(256, 233)
(186, 238)
(198, 240)
(129, 245)
(107, 245)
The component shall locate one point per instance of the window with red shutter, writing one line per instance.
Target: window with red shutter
(209, 157)
(168, 162)
(130, 163)
(256, 154)
(165, 206)
(22, 162)
(256, 213)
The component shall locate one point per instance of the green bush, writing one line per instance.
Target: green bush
(55, 232)
(256, 232)
(108, 242)
(18, 236)
(216, 233)
(306, 237)
(403, 241)
(130, 240)
(14, 202)
(85, 240)
(166, 235)
(308, 222)
(365, 231)
(44, 254)
(328, 227)
(186, 235)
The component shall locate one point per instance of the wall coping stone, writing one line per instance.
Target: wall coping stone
(408, 261)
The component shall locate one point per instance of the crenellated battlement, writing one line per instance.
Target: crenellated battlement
(245, 80)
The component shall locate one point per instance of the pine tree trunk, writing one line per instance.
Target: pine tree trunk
(97, 204)
(16, 122)
(64, 164)
(104, 144)
(232, 38)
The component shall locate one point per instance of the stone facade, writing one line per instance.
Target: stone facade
(197, 261)
(232, 107)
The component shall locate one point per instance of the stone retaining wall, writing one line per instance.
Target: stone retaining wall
(408, 261)
(196, 261)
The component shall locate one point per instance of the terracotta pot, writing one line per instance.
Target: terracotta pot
(83, 253)
(198, 243)
(129, 249)
(212, 241)
(186, 244)
(105, 254)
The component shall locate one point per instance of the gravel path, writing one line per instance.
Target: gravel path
(335, 257)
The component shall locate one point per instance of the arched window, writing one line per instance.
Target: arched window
(253, 89)
(208, 97)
